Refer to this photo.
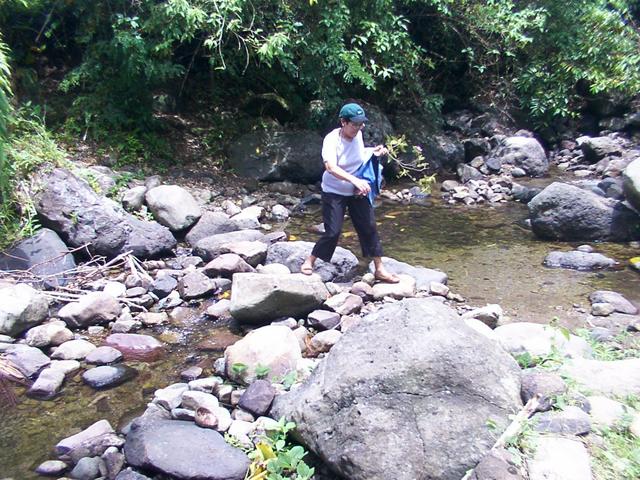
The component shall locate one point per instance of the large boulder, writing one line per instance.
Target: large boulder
(21, 307)
(631, 183)
(597, 148)
(173, 207)
(565, 212)
(274, 156)
(45, 255)
(72, 209)
(183, 450)
(259, 298)
(420, 410)
(342, 267)
(210, 223)
(523, 152)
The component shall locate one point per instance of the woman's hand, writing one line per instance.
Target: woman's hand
(362, 186)
(380, 150)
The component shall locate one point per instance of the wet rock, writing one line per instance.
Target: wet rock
(272, 347)
(393, 397)
(252, 252)
(48, 384)
(342, 267)
(220, 309)
(104, 356)
(323, 341)
(136, 347)
(173, 207)
(191, 373)
(195, 285)
(91, 433)
(561, 458)
(490, 315)
(153, 318)
(108, 376)
(170, 397)
(113, 462)
(449, 185)
(616, 300)
(277, 155)
(177, 448)
(52, 333)
(129, 474)
(45, 255)
(73, 350)
(212, 246)
(90, 309)
(406, 287)
(211, 223)
(22, 307)
(28, 360)
(524, 194)
(71, 208)
(344, 303)
(226, 265)
(545, 385)
(578, 260)
(423, 276)
(566, 212)
(52, 468)
(616, 378)
(570, 421)
(539, 340)
(87, 468)
(323, 319)
(280, 213)
(258, 397)
(163, 286)
(258, 298)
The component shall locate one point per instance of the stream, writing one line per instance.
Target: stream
(487, 252)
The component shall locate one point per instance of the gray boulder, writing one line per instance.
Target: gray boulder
(28, 360)
(173, 207)
(260, 298)
(72, 209)
(274, 156)
(91, 309)
(212, 246)
(183, 450)
(21, 307)
(467, 172)
(566, 212)
(596, 148)
(45, 255)
(211, 223)
(522, 152)
(342, 267)
(577, 260)
(616, 300)
(427, 400)
(631, 183)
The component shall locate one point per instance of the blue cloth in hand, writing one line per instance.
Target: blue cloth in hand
(371, 171)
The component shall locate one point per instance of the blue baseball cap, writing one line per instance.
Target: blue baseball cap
(353, 112)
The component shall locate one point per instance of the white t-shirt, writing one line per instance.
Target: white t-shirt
(350, 155)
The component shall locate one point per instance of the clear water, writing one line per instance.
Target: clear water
(487, 253)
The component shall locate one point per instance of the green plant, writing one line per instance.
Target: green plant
(289, 379)
(619, 347)
(262, 371)
(239, 368)
(414, 168)
(274, 458)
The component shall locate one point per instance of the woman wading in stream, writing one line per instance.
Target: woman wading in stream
(344, 153)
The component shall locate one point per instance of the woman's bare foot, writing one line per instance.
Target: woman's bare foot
(383, 275)
(307, 267)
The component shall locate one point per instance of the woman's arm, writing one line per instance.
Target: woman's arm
(331, 166)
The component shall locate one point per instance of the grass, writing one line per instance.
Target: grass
(620, 347)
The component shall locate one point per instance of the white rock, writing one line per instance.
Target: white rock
(194, 400)
(490, 315)
(67, 367)
(49, 334)
(170, 397)
(115, 289)
(323, 341)
(480, 327)
(558, 458)
(606, 412)
(224, 419)
(617, 378)
(273, 269)
(538, 340)
(73, 350)
(405, 288)
(173, 207)
(21, 307)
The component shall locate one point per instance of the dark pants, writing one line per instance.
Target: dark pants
(361, 213)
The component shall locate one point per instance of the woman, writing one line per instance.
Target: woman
(343, 153)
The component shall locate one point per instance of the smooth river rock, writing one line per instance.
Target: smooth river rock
(135, 346)
(108, 376)
(21, 307)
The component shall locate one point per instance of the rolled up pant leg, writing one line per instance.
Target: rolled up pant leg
(333, 210)
(363, 219)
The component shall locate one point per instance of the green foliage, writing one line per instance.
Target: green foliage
(415, 167)
(239, 368)
(275, 458)
(262, 371)
(620, 347)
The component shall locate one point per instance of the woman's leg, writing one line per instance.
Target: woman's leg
(333, 209)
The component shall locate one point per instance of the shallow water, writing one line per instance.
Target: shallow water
(487, 253)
